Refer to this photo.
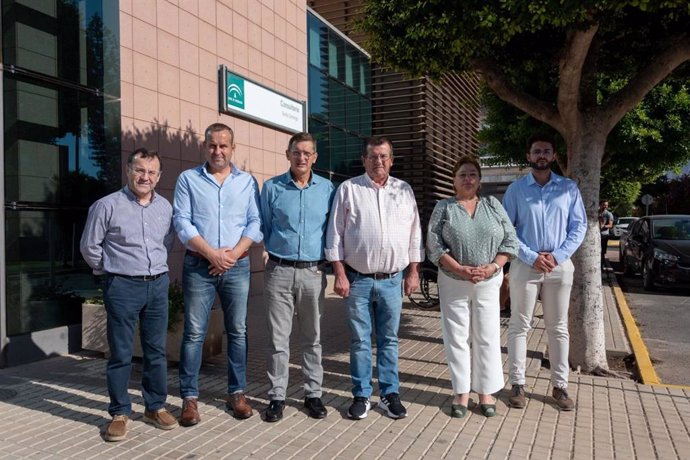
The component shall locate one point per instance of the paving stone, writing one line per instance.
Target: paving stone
(60, 409)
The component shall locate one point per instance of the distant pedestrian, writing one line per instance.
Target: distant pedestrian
(374, 236)
(126, 239)
(605, 226)
(551, 222)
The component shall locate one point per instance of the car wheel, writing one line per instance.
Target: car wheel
(625, 266)
(647, 276)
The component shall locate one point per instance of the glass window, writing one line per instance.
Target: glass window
(320, 132)
(318, 94)
(352, 101)
(62, 150)
(339, 103)
(67, 39)
(315, 40)
(334, 52)
(349, 78)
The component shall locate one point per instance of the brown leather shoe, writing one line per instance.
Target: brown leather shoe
(238, 404)
(161, 419)
(563, 401)
(117, 430)
(190, 413)
(517, 397)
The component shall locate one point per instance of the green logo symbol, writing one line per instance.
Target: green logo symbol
(235, 91)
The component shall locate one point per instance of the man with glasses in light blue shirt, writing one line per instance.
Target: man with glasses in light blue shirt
(550, 221)
(217, 219)
(295, 208)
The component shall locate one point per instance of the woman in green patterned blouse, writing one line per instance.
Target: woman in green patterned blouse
(470, 238)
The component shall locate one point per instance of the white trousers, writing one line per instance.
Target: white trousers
(470, 317)
(526, 284)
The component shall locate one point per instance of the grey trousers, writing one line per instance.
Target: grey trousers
(294, 292)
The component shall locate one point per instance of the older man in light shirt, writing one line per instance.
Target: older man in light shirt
(373, 236)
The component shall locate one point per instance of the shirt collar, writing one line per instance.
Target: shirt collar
(373, 184)
(234, 171)
(130, 194)
(555, 178)
(287, 178)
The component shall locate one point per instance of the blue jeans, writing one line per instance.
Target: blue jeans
(126, 302)
(377, 303)
(200, 290)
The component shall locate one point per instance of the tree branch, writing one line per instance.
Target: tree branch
(664, 62)
(499, 83)
(576, 49)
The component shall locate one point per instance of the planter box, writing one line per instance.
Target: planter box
(94, 337)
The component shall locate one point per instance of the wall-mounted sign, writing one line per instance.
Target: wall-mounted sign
(244, 98)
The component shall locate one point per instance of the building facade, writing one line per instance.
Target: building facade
(85, 82)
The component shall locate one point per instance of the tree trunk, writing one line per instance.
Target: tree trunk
(586, 315)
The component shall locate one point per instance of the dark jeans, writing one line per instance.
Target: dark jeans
(126, 302)
(604, 247)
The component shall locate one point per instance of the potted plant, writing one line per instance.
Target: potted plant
(94, 327)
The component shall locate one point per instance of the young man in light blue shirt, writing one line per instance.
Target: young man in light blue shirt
(217, 219)
(294, 209)
(550, 221)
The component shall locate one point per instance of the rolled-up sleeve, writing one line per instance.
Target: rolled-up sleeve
(182, 206)
(253, 228)
(266, 211)
(524, 253)
(334, 249)
(434, 240)
(510, 244)
(416, 250)
(576, 226)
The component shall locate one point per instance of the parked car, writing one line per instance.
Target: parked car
(659, 248)
(621, 226)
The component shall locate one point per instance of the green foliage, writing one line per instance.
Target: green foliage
(430, 37)
(670, 195)
(175, 304)
(621, 194)
(526, 41)
(649, 141)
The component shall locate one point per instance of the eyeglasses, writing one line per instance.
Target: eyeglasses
(298, 153)
(383, 158)
(143, 172)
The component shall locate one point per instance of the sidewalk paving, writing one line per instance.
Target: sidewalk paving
(57, 408)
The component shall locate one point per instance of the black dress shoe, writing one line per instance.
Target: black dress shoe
(315, 408)
(274, 412)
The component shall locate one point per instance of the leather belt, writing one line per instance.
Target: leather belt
(141, 277)
(294, 263)
(189, 252)
(376, 276)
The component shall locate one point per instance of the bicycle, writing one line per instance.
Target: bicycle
(426, 297)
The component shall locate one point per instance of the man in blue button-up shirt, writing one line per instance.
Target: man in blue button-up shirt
(550, 221)
(217, 219)
(294, 208)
